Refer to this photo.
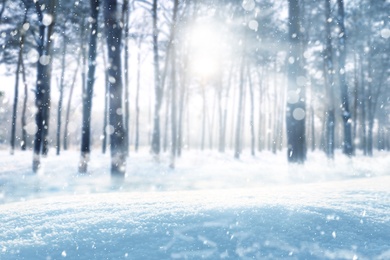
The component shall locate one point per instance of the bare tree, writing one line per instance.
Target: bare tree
(114, 36)
(42, 93)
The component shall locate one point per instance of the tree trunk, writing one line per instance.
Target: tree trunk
(159, 85)
(167, 111)
(42, 93)
(66, 134)
(114, 37)
(356, 100)
(88, 92)
(260, 131)
(125, 21)
(329, 83)
(24, 123)
(106, 103)
(61, 97)
(346, 115)
(173, 90)
(238, 136)
(183, 85)
(137, 109)
(156, 139)
(295, 114)
(16, 95)
(252, 113)
(203, 135)
(363, 110)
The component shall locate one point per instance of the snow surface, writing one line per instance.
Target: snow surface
(211, 206)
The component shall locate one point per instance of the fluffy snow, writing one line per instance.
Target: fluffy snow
(211, 206)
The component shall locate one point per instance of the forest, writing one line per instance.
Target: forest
(171, 76)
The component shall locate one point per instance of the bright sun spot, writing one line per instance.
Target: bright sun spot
(206, 51)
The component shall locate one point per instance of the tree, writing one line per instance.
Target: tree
(329, 85)
(117, 135)
(42, 94)
(16, 93)
(88, 92)
(346, 114)
(295, 114)
(173, 89)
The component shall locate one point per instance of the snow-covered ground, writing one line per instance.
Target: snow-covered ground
(211, 206)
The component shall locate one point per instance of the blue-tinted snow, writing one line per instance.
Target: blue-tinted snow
(210, 207)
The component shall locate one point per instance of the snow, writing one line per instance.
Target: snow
(211, 206)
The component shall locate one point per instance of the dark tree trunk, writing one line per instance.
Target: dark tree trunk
(88, 92)
(125, 21)
(295, 113)
(61, 97)
(346, 115)
(16, 95)
(105, 116)
(24, 123)
(114, 36)
(42, 93)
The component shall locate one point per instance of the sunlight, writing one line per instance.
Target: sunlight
(204, 41)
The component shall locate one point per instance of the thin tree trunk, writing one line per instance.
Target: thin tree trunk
(173, 90)
(156, 140)
(167, 111)
(137, 108)
(211, 123)
(252, 114)
(183, 84)
(66, 134)
(260, 119)
(106, 103)
(356, 100)
(363, 110)
(346, 115)
(275, 112)
(61, 97)
(238, 136)
(125, 21)
(24, 123)
(16, 95)
(88, 92)
(159, 85)
(203, 136)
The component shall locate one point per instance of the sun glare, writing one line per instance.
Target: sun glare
(206, 50)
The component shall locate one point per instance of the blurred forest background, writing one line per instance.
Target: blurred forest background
(228, 75)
